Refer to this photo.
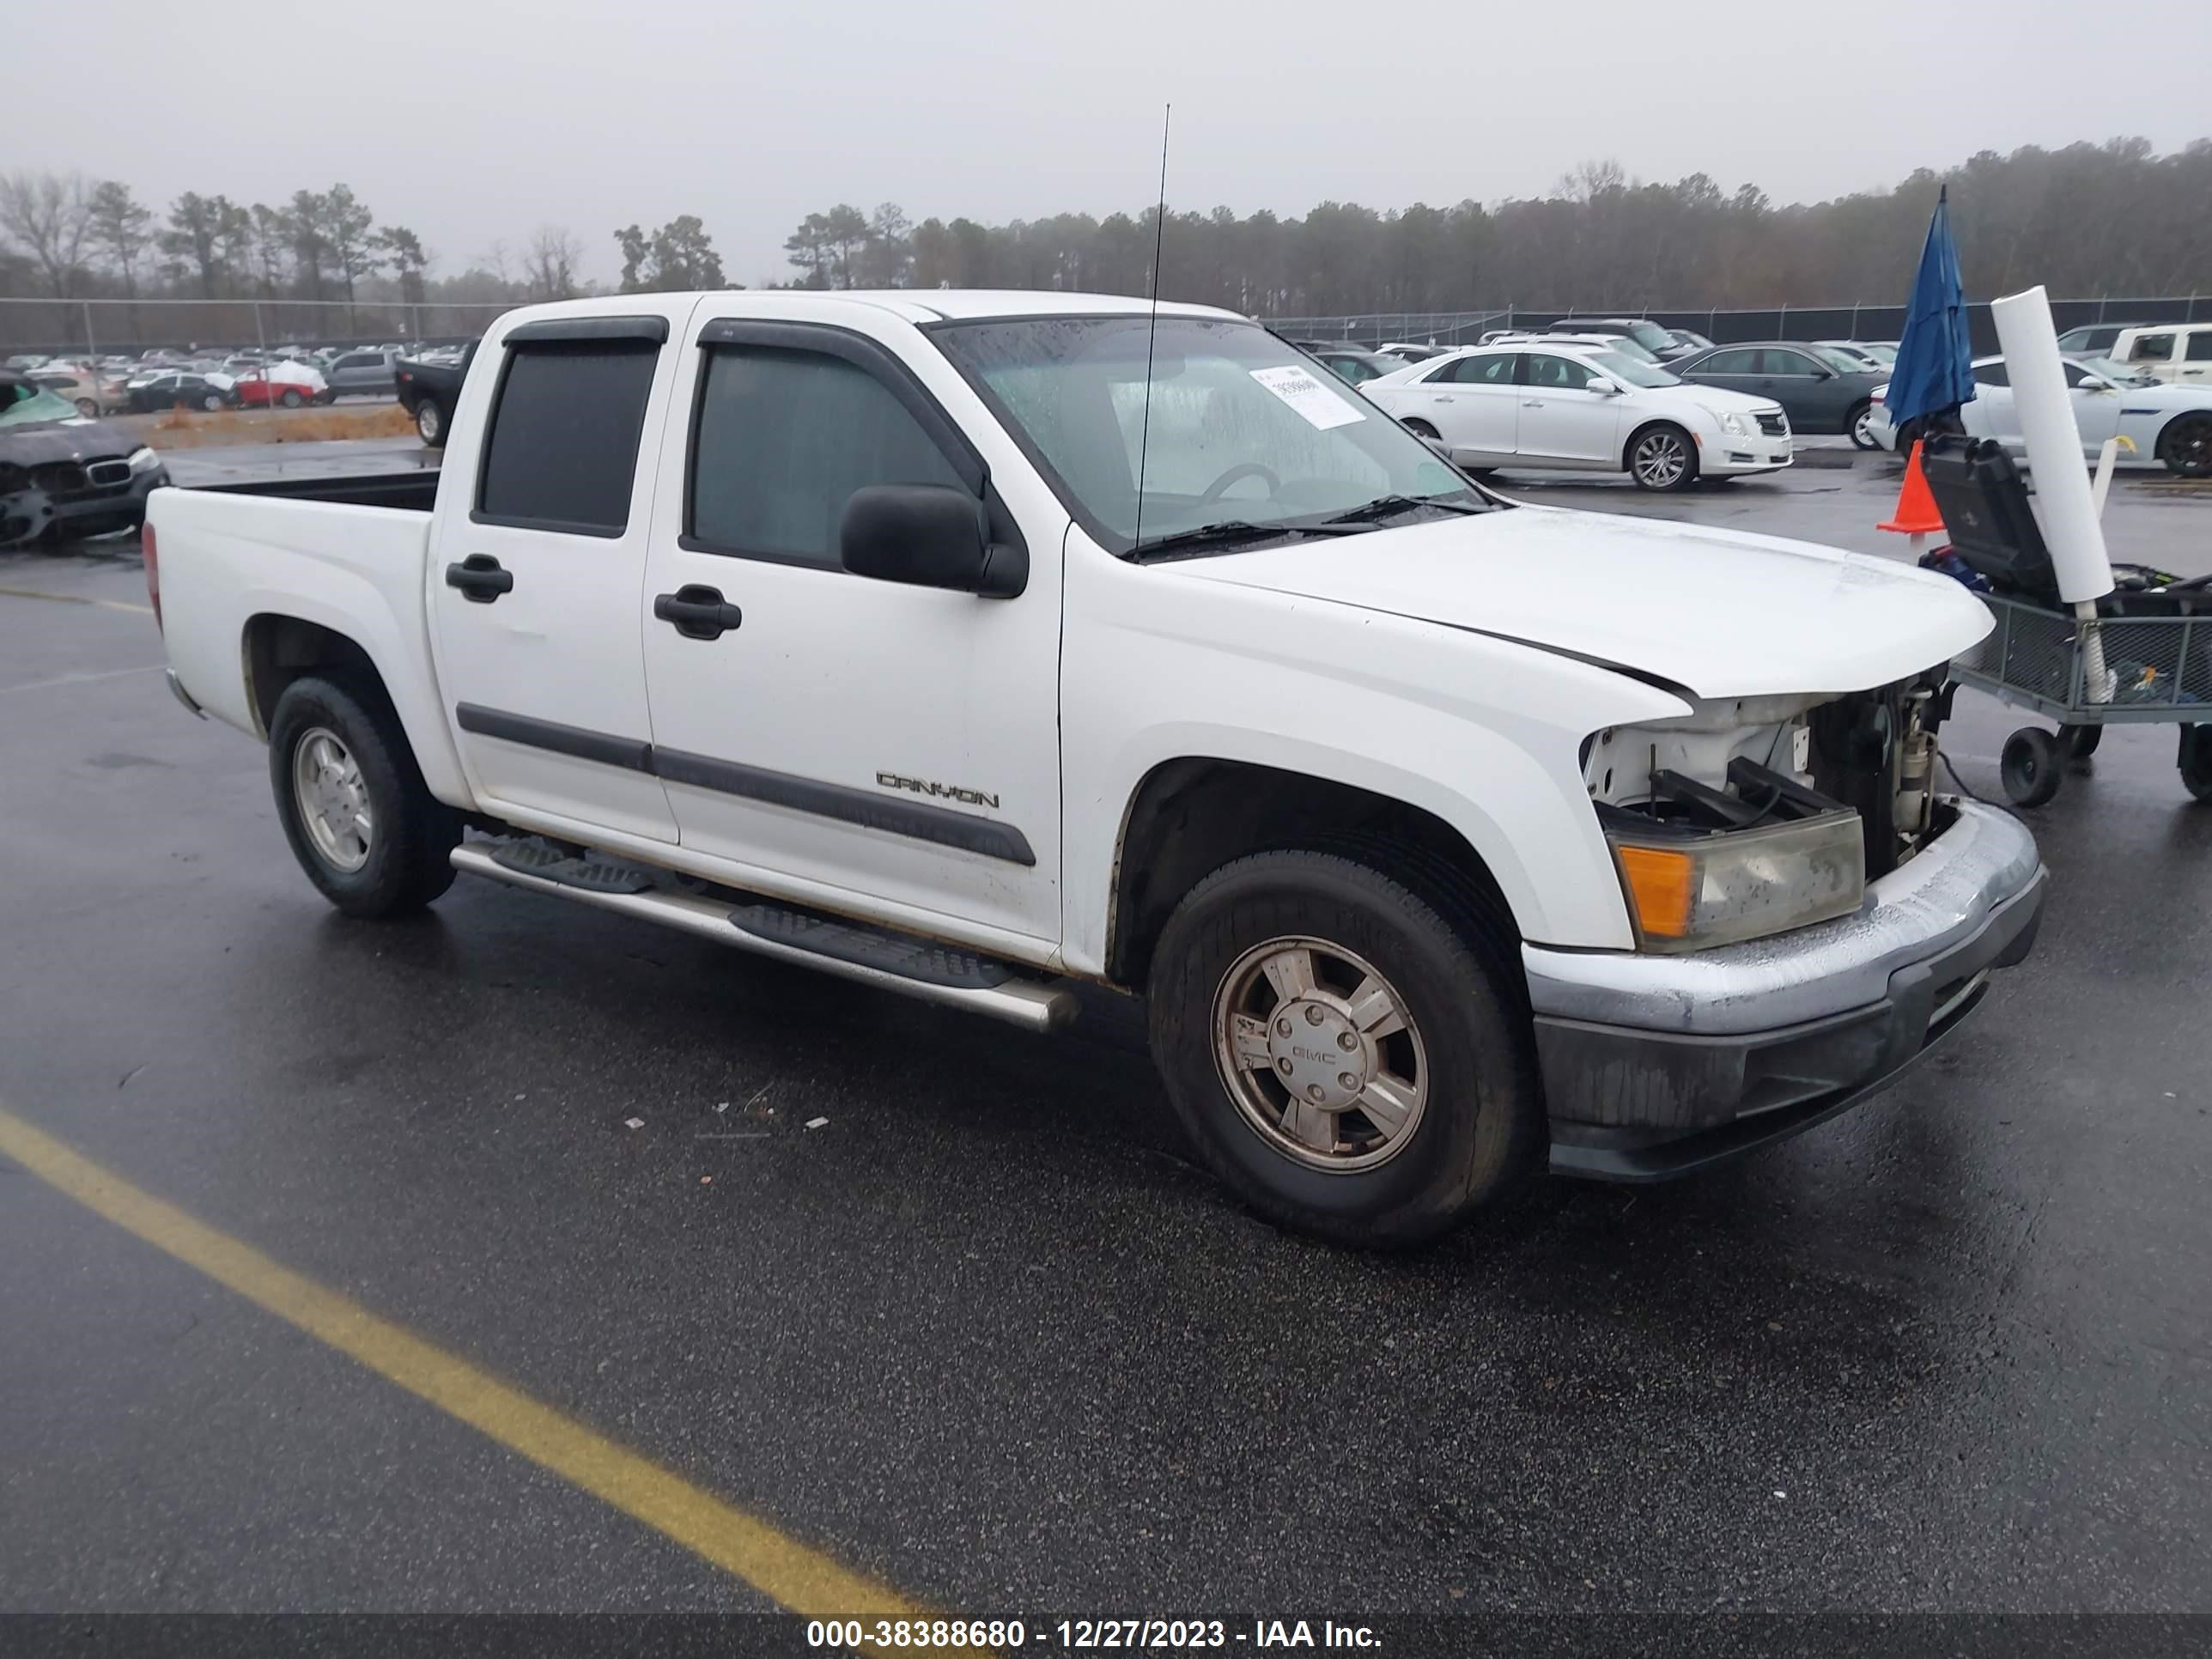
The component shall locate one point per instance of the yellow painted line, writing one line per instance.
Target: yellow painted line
(801, 1579)
(76, 599)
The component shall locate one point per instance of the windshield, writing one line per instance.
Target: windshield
(1651, 337)
(1884, 354)
(1240, 427)
(1630, 371)
(2117, 372)
(34, 406)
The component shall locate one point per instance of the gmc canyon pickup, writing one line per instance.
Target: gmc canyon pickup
(980, 644)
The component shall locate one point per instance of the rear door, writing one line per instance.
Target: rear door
(1475, 406)
(2155, 353)
(1561, 419)
(536, 566)
(2195, 360)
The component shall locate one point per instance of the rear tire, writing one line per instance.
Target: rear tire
(2196, 761)
(430, 423)
(2081, 741)
(362, 822)
(211, 402)
(1458, 1117)
(88, 408)
(1423, 430)
(292, 399)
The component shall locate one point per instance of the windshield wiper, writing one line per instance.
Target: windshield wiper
(1383, 505)
(1237, 529)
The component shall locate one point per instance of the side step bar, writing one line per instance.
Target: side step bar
(854, 951)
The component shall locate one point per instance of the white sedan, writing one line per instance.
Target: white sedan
(2168, 425)
(1583, 409)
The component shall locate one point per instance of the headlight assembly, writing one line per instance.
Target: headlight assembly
(1690, 892)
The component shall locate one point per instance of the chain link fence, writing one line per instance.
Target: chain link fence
(1856, 322)
(55, 328)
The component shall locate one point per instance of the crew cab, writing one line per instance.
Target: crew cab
(987, 646)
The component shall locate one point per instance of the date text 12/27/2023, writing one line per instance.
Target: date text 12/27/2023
(879, 1634)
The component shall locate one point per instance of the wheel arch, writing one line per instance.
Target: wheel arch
(2161, 446)
(1628, 444)
(1191, 815)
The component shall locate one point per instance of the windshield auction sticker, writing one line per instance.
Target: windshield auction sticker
(1314, 403)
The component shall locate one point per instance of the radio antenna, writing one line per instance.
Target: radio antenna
(1152, 329)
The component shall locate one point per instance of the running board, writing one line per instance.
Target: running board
(874, 956)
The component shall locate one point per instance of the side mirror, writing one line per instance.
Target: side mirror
(929, 536)
(1603, 388)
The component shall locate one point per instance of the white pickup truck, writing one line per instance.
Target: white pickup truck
(979, 645)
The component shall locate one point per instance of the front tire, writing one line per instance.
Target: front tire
(88, 408)
(362, 822)
(1662, 457)
(2195, 758)
(292, 399)
(2185, 445)
(1350, 1063)
(211, 402)
(2031, 766)
(1860, 424)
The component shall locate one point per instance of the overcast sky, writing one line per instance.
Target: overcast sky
(473, 122)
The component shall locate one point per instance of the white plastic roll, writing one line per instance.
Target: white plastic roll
(2046, 413)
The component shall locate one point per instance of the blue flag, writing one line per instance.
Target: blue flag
(1935, 368)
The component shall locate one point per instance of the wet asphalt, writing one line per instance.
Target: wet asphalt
(987, 1334)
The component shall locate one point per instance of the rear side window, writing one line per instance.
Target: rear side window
(2151, 349)
(2200, 346)
(784, 439)
(562, 451)
(1728, 363)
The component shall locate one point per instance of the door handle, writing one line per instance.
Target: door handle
(481, 578)
(698, 613)
(1442, 398)
(1532, 403)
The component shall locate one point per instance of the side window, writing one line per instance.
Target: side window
(1775, 361)
(1556, 373)
(562, 451)
(783, 440)
(1495, 369)
(2200, 346)
(1728, 363)
(1998, 374)
(2151, 349)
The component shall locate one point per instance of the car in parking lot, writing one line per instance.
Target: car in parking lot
(62, 473)
(1349, 364)
(1659, 342)
(1820, 391)
(177, 388)
(93, 393)
(1580, 407)
(362, 373)
(2094, 339)
(2178, 352)
(286, 383)
(2167, 425)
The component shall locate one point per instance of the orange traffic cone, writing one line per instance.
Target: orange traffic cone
(1915, 516)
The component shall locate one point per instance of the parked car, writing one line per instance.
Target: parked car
(286, 384)
(2176, 352)
(1411, 353)
(2094, 339)
(1818, 392)
(429, 391)
(176, 388)
(1689, 339)
(359, 373)
(92, 393)
(1858, 354)
(1659, 342)
(1619, 343)
(1351, 365)
(24, 362)
(62, 474)
(1423, 823)
(2169, 425)
(1583, 408)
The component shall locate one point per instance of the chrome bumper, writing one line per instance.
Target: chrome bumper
(1654, 1065)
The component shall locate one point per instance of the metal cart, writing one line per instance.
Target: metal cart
(2159, 670)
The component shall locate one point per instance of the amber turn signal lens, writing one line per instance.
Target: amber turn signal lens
(1661, 884)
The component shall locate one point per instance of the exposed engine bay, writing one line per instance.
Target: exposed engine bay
(1743, 762)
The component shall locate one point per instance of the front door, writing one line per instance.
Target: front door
(1562, 420)
(536, 572)
(853, 744)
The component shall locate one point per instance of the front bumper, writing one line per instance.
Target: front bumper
(94, 511)
(1656, 1066)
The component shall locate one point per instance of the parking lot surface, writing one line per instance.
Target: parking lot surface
(986, 1335)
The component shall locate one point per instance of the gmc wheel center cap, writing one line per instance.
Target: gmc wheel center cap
(1319, 1057)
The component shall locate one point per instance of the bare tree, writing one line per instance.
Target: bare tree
(122, 227)
(550, 270)
(47, 213)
